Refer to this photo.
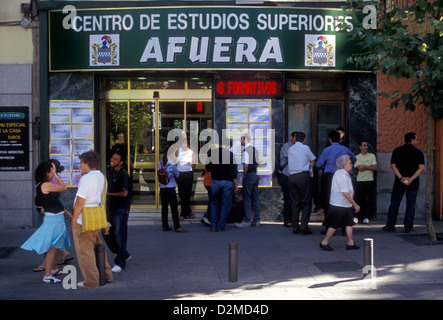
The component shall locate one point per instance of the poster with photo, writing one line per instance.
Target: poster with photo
(252, 116)
(71, 134)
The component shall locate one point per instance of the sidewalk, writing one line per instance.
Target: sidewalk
(273, 264)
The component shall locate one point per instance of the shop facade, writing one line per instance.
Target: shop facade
(137, 76)
(142, 74)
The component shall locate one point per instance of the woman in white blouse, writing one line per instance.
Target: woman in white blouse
(341, 202)
(185, 164)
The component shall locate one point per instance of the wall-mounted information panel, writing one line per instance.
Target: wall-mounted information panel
(71, 134)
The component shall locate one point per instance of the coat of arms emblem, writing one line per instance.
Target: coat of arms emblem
(104, 50)
(320, 50)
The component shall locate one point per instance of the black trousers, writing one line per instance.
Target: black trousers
(301, 196)
(168, 196)
(184, 183)
(365, 197)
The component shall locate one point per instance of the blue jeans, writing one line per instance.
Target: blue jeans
(221, 203)
(250, 196)
(117, 238)
(208, 210)
(398, 190)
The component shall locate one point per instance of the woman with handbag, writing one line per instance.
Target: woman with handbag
(51, 237)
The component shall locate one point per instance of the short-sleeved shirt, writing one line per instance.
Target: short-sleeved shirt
(341, 182)
(299, 158)
(407, 158)
(184, 160)
(367, 159)
(118, 182)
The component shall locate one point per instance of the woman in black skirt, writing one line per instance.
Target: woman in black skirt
(340, 205)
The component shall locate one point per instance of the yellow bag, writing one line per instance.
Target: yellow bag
(94, 218)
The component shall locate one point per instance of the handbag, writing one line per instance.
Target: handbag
(94, 218)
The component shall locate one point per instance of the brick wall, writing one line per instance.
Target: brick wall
(394, 123)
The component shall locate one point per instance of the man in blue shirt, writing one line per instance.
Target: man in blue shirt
(327, 165)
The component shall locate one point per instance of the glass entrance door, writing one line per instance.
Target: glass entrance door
(131, 127)
(315, 119)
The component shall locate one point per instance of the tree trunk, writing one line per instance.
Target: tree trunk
(429, 177)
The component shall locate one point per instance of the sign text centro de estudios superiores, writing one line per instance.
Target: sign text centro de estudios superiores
(200, 38)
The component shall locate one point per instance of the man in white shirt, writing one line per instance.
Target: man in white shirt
(284, 181)
(89, 194)
(300, 161)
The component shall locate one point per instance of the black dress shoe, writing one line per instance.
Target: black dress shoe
(326, 247)
(386, 228)
(296, 231)
(353, 247)
(306, 232)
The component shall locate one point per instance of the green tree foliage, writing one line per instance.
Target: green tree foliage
(406, 43)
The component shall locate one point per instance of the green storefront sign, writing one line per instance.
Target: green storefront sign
(199, 38)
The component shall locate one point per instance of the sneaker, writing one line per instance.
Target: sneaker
(205, 221)
(243, 224)
(81, 285)
(51, 279)
(255, 224)
(355, 221)
(116, 268)
(365, 220)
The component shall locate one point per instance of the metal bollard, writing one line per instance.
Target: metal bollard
(368, 256)
(100, 260)
(233, 262)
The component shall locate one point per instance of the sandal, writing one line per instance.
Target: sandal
(64, 261)
(181, 230)
(38, 269)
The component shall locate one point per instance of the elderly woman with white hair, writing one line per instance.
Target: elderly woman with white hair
(341, 202)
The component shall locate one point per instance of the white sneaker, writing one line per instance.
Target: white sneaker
(355, 220)
(80, 284)
(116, 268)
(365, 220)
(51, 279)
(243, 224)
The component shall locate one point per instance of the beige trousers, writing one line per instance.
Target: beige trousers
(84, 246)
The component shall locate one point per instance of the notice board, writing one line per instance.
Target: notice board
(14, 138)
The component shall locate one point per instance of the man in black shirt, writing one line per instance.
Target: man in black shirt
(119, 202)
(408, 163)
(223, 169)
